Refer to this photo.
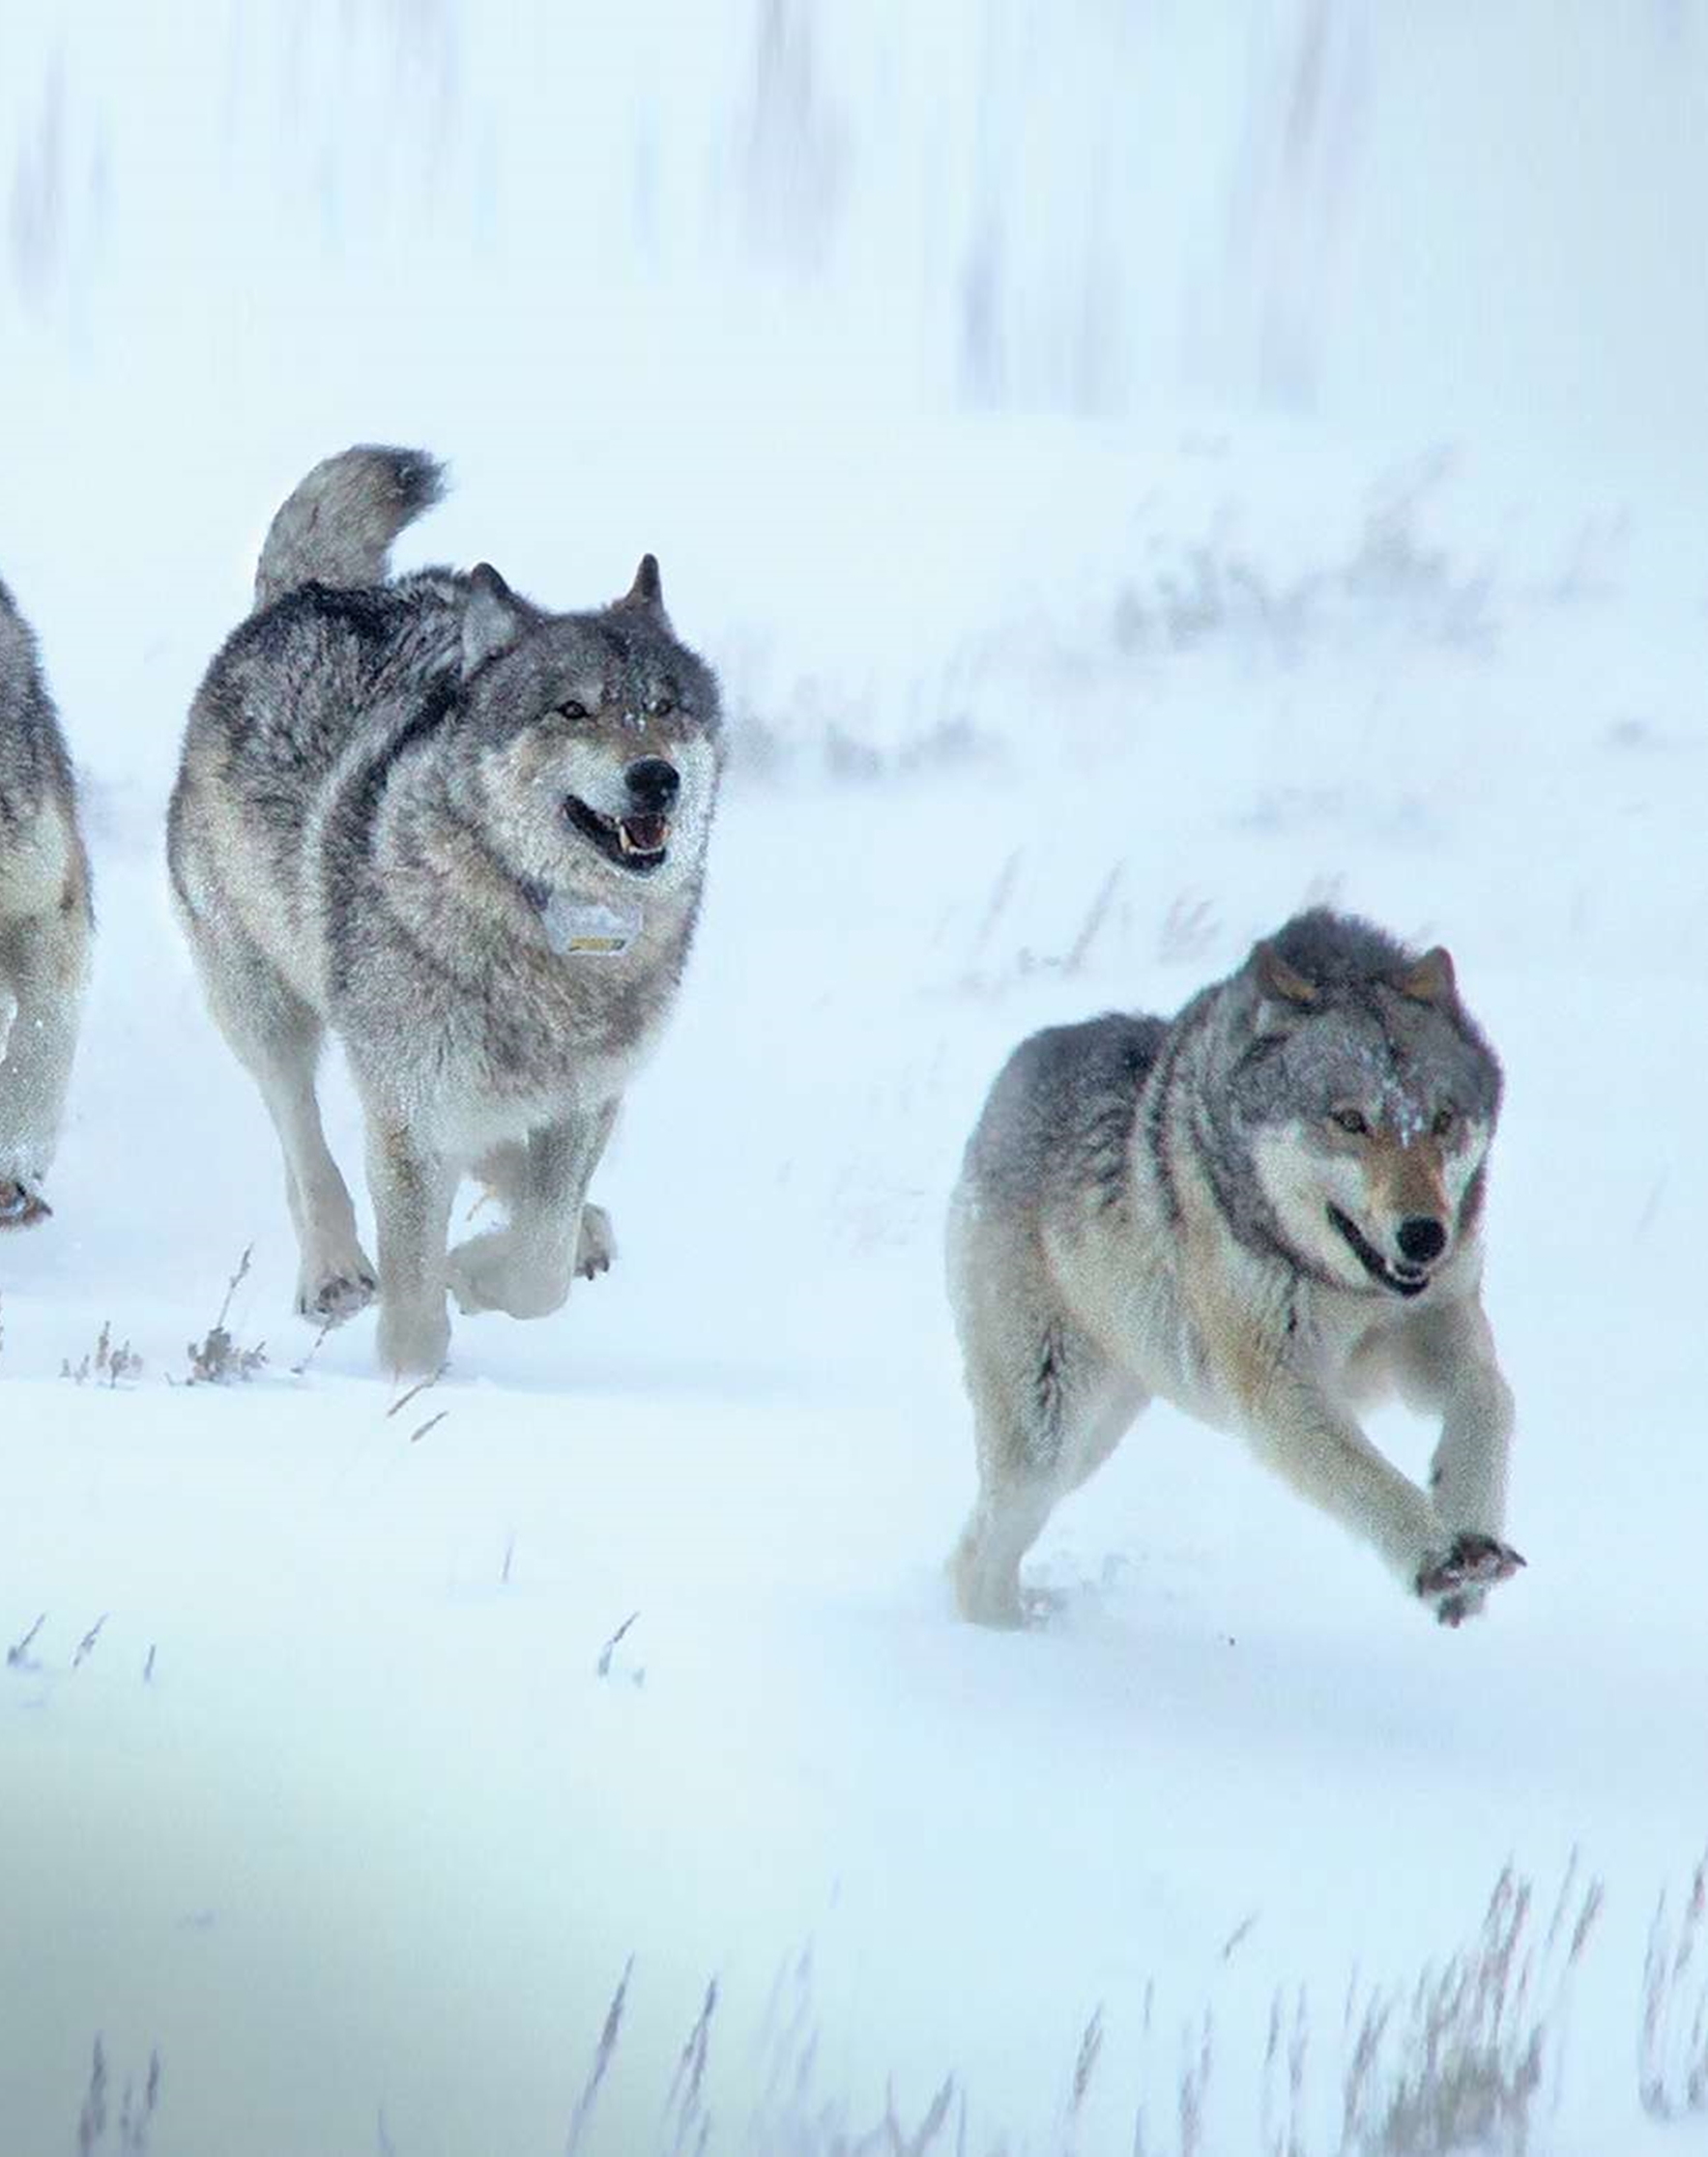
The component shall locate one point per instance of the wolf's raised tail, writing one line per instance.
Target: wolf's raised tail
(336, 526)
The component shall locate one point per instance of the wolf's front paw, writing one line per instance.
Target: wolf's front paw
(596, 1245)
(20, 1206)
(1458, 1583)
(494, 1272)
(328, 1298)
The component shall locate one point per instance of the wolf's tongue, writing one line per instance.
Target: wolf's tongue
(643, 834)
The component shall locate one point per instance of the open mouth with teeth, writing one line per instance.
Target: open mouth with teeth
(636, 843)
(1404, 1280)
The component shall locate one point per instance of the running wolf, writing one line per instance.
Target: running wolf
(469, 836)
(1267, 1210)
(45, 923)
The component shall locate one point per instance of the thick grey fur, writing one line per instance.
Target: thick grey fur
(1150, 1207)
(371, 832)
(45, 923)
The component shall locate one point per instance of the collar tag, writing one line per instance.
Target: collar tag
(578, 928)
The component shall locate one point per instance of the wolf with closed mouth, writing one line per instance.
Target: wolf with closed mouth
(1267, 1210)
(45, 924)
(468, 836)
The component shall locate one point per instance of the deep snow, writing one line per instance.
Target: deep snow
(338, 1810)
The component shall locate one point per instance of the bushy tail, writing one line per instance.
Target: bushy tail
(336, 526)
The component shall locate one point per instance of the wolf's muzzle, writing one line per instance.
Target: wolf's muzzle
(1404, 1280)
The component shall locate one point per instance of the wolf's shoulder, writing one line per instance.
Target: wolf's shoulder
(299, 677)
(1067, 1093)
(1115, 1049)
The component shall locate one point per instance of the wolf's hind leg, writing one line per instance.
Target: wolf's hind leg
(277, 1037)
(1049, 1408)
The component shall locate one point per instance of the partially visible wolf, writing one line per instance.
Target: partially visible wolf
(1265, 1210)
(45, 923)
(469, 836)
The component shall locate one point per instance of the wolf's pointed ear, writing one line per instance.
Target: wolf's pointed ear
(1284, 994)
(493, 618)
(1429, 981)
(646, 595)
(1281, 982)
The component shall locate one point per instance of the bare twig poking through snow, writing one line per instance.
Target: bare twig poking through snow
(414, 1393)
(1672, 2071)
(86, 1646)
(898, 2141)
(1195, 2081)
(1292, 2032)
(1477, 2044)
(1080, 949)
(1188, 931)
(686, 2121)
(107, 1363)
(300, 1370)
(603, 2055)
(1084, 2068)
(216, 1359)
(18, 1655)
(1461, 2060)
(92, 2120)
(137, 2110)
(990, 974)
(603, 1666)
(432, 1423)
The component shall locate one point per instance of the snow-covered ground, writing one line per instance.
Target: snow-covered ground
(1372, 565)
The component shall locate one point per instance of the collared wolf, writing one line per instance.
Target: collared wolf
(1265, 1210)
(45, 923)
(466, 835)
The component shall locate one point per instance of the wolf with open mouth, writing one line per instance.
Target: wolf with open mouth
(1267, 1210)
(399, 806)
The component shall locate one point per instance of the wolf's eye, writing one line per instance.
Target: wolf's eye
(574, 709)
(1445, 1120)
(1349, 1120)
(664, 707)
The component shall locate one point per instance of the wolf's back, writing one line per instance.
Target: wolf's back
(336, 526)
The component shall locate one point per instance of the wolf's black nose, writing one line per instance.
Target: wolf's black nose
(1422, 1238)
(653, 783)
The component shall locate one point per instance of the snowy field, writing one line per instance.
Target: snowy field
(1113, 533)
